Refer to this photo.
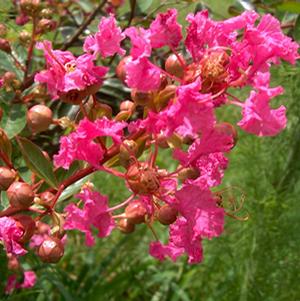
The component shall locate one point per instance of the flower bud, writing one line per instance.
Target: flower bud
(121, 68)
(125, 226)
(126, 105)
(167, 215)
(3, 30)
(46, 198)
(173, 65)
(42, 228)
(136, 212)
(229, 129)
(188, 173)
(141, 98)
(5, 144)
(24, 37)
(13, 263)
(5, 46)
(116, 3)
(51, 250)
(46, 13)
(20, 194)
(162, 141)
(30, 7)
(39, 118)
(128, 148)
(7, 177)
(164, 96)
(45, 25)
(27, 224)
(100, 110)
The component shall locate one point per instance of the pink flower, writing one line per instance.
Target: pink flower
(66, 73)
(165, 31)
(29, 280)
(80, 145)
(140, 40)
(11, 284)
(259, 118)
(141, 74)
(10, 234)
(107, 40)
(94, 213)
(200, 210)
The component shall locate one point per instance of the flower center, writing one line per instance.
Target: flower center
(70, 66)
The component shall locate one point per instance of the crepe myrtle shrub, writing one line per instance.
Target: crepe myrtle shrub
(171, 105)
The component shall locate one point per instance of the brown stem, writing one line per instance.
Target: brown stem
(84, 25)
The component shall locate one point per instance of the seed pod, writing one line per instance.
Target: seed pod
(7, 176)
(167, 215)
(173, 65)
(141, 98)
(51, 250)
(46, 198)
(136, 212)
(39, 118)
(27, 224)
(125, 226)
(5, 46)
(188, 173)
(126, 105)
(164, 96)
(121, 68)
(20, 194)
(128, 148)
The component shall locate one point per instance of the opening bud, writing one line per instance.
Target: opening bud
(27, 224)
(188, 173)
(167, 215)
(128, 148)
(7, 177)
(20, 194)
(136, 212)
(51, 250)
(125, 226)
(39, 118)
(174, 66)
(121, 68)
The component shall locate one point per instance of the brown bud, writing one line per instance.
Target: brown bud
(3, 30)
(7, 176)
(167, 215)
(141, 98)
(24, 37)
(46, 198)
(39, 118)
(51, 250)
(5, 144)
(128, 148)
(125, 226)
(27, 224)
(5, 46)
(136, 212)
(30, 7)
(188, 173)
(173, 65)
(46, 25)
(121, 68)
(13, 263)
(229, 129)
(46, 13)
(126, 105)
(164, 96)
(20, 194)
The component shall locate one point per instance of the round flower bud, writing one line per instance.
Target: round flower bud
(173, 65)
(5, 46)
(121, 68)
(42, 228)
(46, 25)
(188, 173)
(46, 13)
(7, 176)
(27, 224)
(167, 215)
(141, 98)
(126, 105)
(128, 148)
(20, 194)
(136, 212)
(51, 250)
(24, 37)
(3, 30)
(125, 226)
(39, 118)
(13, 263)
(46, 198)
(30, 7)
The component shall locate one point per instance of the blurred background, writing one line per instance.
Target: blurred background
(257, 259)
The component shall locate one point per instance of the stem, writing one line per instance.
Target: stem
(84, 25)
(5, 159)
(132, 12)
(121, 204)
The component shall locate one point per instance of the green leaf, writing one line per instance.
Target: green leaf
(297, 29)
(36, 161)
(14, 119)
(7, 64)
(289, 6)
(4, 200)
(143, 5)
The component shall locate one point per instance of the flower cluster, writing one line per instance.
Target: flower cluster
(171, 107)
